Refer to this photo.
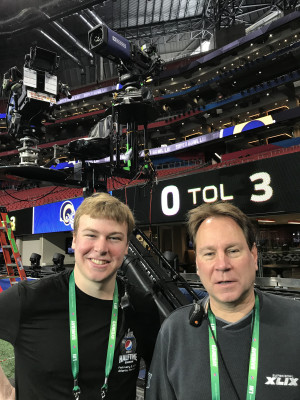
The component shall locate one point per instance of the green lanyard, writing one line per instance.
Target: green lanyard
(253, 362)
(74, 338)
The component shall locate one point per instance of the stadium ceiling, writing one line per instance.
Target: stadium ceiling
(177, 27)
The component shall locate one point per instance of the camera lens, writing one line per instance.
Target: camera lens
(96, 38)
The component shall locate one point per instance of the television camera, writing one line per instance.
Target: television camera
(32, 96)
(132, 105)
(135, 65)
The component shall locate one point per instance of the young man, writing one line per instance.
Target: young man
(72, 335)
(237, 343)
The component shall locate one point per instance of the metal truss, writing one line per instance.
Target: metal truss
(212, 14)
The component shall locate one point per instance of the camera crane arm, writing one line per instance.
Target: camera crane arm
(151, 272)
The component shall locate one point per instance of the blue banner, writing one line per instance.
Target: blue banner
(55, 217)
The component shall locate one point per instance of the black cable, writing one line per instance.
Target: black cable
(222, 358)
(37, 198)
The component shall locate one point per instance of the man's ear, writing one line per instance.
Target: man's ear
(197, 268)
(73, 241)
(254, 253)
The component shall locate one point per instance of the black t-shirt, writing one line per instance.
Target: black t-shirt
(34, 317)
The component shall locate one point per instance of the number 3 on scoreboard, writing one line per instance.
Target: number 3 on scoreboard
(263, 186)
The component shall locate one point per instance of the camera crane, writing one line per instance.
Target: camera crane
(34, 94)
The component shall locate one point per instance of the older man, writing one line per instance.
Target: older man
(237, 343)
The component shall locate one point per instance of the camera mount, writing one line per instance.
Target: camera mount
(29, 152)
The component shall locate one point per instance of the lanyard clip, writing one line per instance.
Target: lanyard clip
(103, 393)
(76, 389)
(76, 394)
(104, 389)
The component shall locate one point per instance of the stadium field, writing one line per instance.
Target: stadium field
(7, 359)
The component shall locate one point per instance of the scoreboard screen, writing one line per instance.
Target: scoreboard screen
(268, 186)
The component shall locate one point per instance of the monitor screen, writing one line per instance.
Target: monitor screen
(68, 249)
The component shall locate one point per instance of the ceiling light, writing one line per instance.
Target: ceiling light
(294, 222)
(266, 220)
